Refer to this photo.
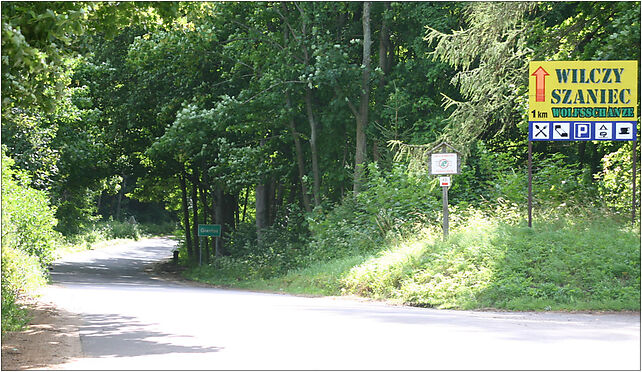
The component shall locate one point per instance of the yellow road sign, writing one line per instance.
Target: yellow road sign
(583, 90)
(583, 101)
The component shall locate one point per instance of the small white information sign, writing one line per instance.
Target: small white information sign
(444, 181)
(443, 163)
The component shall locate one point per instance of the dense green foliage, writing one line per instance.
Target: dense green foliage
(30, 242)
(573, 259)
(489, 261)
(28, 238)
(275, 121)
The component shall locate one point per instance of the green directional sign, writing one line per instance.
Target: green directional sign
(209, 230)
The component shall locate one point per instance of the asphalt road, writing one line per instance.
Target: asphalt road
(132, 320)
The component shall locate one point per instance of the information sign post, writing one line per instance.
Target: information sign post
(205, 231)
(444, 160)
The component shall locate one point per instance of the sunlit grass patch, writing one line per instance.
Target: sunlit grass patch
(381, 275)
(319, 278)
(490, 260)
(487, 263)
(425, 271)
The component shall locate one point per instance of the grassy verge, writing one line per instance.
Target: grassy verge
(21, 273)
(486, 263)
(319, 278)
(562, 263)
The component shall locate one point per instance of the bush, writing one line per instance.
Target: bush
(567, 263)
(554, 180)
(27, 217)
(28, 239)
(392, 205)
(107, 230)
(318, 278)
(283, 247)
(614, 181)
(21, 273)
(123, 230)
(158, 229)
(387, 243)
(75, 215)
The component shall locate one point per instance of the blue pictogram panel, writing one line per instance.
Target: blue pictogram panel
(582, 131)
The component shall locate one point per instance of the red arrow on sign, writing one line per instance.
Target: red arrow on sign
(540, 84)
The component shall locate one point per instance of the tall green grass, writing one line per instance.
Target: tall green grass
(21, 273)
(561, 263)
(319, 278)
(569, 260)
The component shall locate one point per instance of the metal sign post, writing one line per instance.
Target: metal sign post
(530, 183)
(444, 197)
(445, 185)
(634, 171)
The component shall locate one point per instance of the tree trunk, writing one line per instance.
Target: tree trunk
(277, 201)
(237, 216)
(217, 209)
(362, 118)
(270, 189)
(299, 157)
(384, 65)
(313, 147)
(316, 174)
(293, 194)
(344, 161)
(224, 211)
(120, 198)
(261, 206)
(195, 213)
(247, 194)
(261, 210)
(295, 134)
(376, 155)
(206, 249)
(100, 199)
(188, 236)
(230, 202)
(385, 50)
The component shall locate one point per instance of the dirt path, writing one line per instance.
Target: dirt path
(50, 339)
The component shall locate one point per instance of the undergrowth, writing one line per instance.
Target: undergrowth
(559, 264)
(386, 243)
(490, 260)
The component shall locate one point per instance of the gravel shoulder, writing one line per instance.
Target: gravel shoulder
(51, 338)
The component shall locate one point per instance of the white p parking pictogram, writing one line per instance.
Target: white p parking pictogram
(582, 130)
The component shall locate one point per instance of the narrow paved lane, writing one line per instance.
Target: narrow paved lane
(131, 320)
